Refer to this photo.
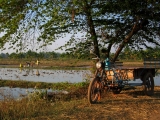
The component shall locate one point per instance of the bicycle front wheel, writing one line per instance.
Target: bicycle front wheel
(94, 91)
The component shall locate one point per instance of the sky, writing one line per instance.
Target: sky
(49, 48)
(34, 47)
(52, 47)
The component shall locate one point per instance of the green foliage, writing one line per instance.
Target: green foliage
(42, 85)
(32, 55)
(134, 55)
(105, 23)
(129, 53)
(36, 95)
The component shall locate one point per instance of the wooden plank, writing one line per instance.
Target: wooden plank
(152, 63)
(117, 63)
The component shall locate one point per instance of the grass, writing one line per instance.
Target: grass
(56, 63)
(48, 63)
(42, 85)
(31, 106)
(131, 105)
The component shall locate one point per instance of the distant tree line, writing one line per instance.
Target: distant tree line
(129, 54)
(30, 54)
(126, 54)
(41, 55)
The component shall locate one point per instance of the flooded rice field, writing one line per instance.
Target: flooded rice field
(37, 75)
(43, 75)
(7, 93)
(52, 76)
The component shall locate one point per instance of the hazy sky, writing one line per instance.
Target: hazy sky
(33, 46)
(55, 45)
(52, 47)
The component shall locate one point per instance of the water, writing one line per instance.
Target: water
(49, 76)
(42, 75)
(157, 81)
(18, 93)
(37, 75)
(13, 93)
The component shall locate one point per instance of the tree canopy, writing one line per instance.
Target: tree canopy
(103, 23)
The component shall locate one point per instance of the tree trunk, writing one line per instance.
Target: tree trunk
(107, 53)
(134, 30)
(92, 29)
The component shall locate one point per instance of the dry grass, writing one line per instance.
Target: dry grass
(128, 105)
(49, 63)
(62, 62)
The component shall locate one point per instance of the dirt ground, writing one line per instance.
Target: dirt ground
(129, 105)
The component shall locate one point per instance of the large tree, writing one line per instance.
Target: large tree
(105, 23)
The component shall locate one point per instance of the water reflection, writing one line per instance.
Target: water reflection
(51, 76)
(13, 93)
(42, 75)
(7, 93)
(157, 80)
